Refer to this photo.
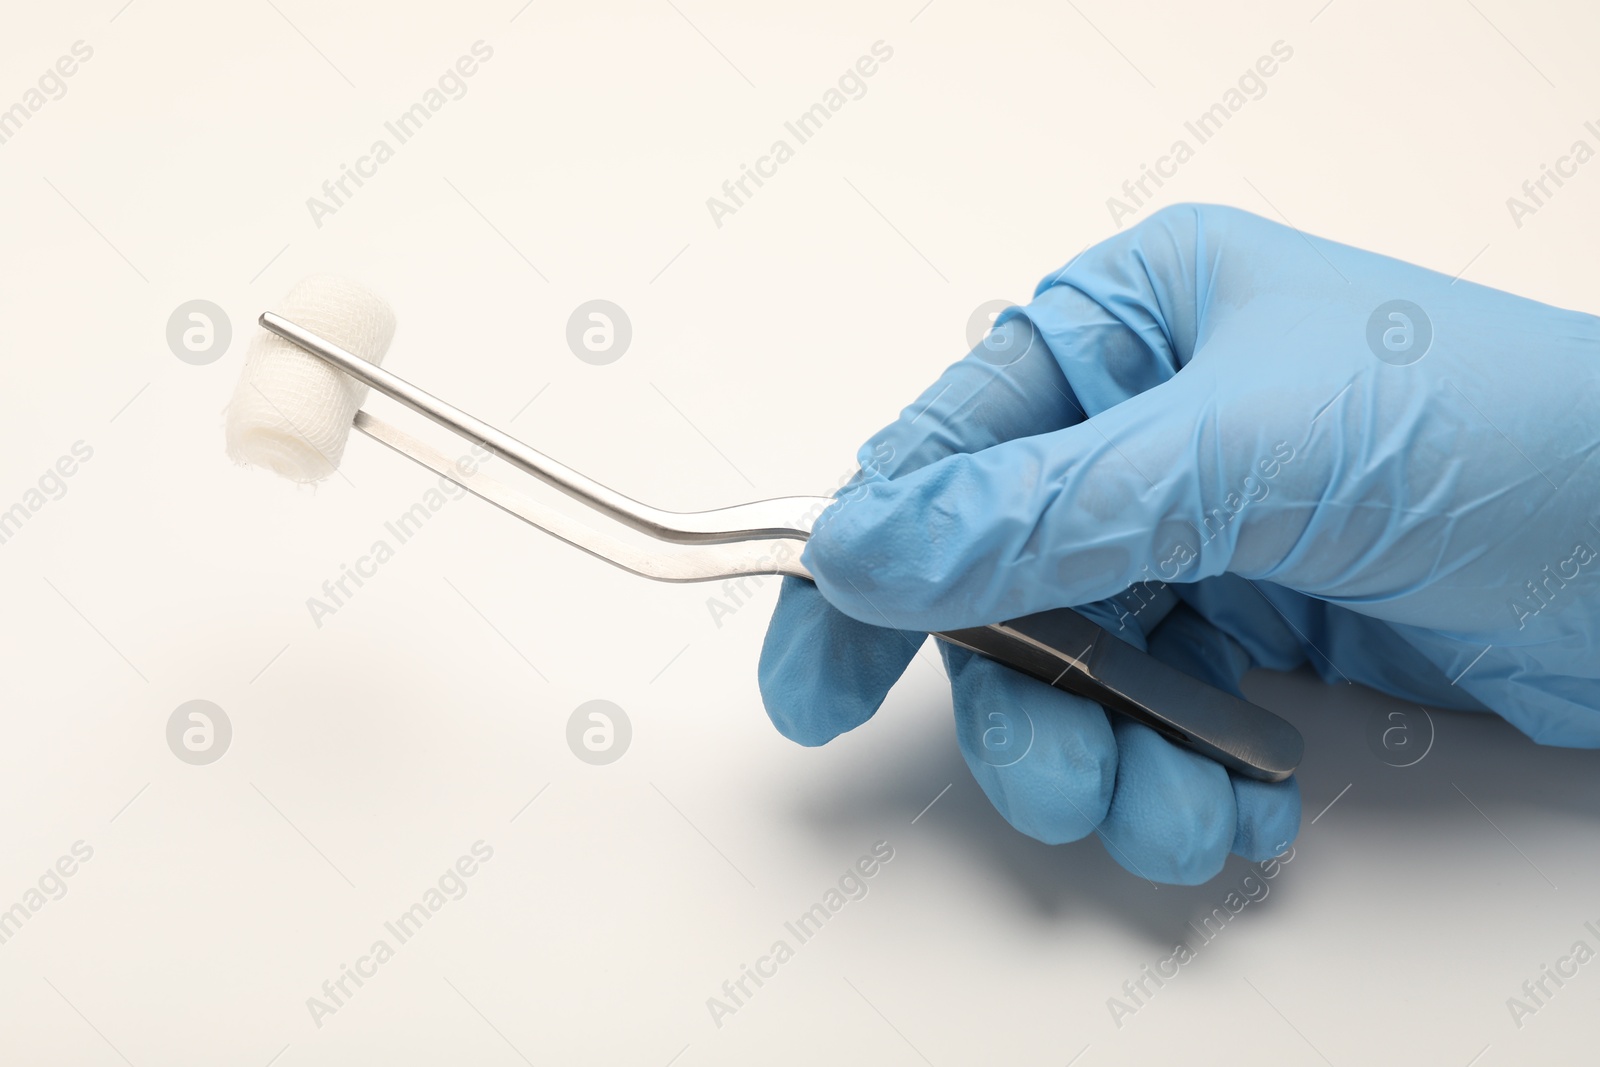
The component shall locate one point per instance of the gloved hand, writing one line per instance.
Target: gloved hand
(1224, 441)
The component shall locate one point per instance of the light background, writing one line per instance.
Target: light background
(370, 753)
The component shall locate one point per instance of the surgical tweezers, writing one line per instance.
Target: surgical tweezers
(1059, 647)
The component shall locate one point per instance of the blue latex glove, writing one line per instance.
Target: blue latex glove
(1220, 438)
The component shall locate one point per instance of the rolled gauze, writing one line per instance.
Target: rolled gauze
(291, 412)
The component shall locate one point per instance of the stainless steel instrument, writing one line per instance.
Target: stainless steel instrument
(1060, 648)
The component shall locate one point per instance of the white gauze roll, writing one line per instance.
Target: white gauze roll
(291, 412)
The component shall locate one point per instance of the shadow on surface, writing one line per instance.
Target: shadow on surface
(1477, 778)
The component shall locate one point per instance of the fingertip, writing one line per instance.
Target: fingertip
(822, 673)
(1172, 816)
(1268, 817)
(918, 552)
(1046, 759)
(1267, 813)
(859, 551)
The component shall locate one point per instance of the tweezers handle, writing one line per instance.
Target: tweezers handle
(1066, 650)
